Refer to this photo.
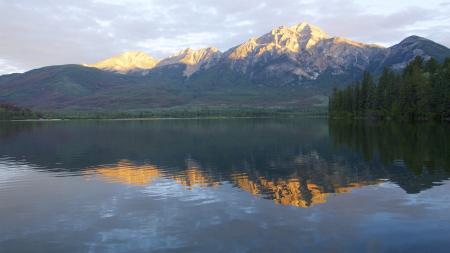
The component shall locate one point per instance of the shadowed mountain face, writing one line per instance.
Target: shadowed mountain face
(292, 162)
(288, 67)
(398, 56)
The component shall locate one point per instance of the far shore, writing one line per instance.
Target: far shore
(168, 118)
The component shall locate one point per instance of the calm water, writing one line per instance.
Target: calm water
(224, 186)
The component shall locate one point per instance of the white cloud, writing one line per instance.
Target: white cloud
(169, 46)
(6, 68)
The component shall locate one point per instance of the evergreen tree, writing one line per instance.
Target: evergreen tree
(445, 79)
(421, 91)
(357, 99)
(386, 92)
(366, 92)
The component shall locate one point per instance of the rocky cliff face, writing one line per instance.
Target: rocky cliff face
(290, 41)
(398, 56)
(194, 59)
(282, 40)
(301, 53)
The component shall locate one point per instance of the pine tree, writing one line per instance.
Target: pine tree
(421, 91)
(387, 92)
(365, 92)
(446, 89)
(412, 79)
(357, 99)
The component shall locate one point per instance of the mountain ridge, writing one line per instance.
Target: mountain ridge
(302, 52)
(290, 66)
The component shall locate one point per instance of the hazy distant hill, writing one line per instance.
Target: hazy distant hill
(289, 67)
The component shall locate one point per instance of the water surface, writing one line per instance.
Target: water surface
(241, 185)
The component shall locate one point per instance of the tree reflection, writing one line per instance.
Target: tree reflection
(423, 148)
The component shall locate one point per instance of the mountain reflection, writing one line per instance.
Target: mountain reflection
(293, 191)
(141, 175)
(292, 162)
(127, 173)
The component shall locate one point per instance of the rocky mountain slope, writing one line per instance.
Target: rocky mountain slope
(302, 54)
(398, 56)
(288, 67)
(194, 59)
(298, 55)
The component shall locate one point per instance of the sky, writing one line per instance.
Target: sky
(37, 33)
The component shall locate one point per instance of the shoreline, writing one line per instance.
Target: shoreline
(167, 118)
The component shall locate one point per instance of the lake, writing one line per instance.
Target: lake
(224, 185)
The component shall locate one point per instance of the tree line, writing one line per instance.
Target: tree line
(11, 112)
(420, 92)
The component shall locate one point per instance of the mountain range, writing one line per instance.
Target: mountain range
(289, 67)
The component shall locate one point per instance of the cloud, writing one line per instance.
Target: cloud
(47, 32)
(168, 46)
(6, 68)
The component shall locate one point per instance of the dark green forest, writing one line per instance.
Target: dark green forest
(420, 92)
(11, 112)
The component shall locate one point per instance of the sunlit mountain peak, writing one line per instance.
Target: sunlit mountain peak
(281, 40)
(307, 28)
(194, 59)
(295, 38)
(126, 62)
(191, 56)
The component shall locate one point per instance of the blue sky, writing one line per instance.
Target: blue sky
(37, 33)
